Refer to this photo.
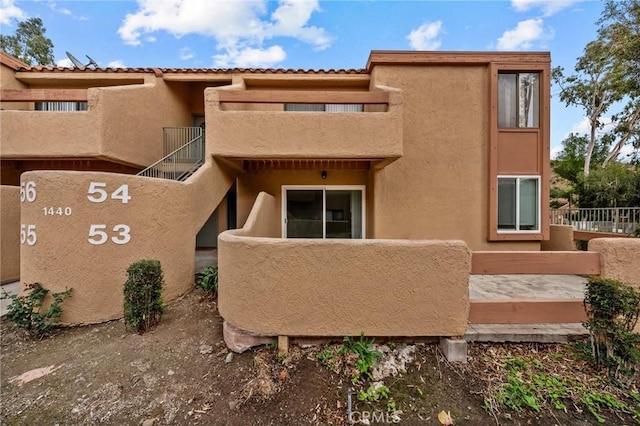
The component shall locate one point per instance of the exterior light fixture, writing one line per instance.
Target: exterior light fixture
(324, 174)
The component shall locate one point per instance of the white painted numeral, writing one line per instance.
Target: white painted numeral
(51, 211)
(123, 234)
(98, 234)
(28, 234)
(98, 193)
(122, 193)
(28, 191)
(96, 188)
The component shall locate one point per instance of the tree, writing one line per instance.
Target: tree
(615, 185)
(620, 29)
(607, 74)
(597, 84)
(29, 43)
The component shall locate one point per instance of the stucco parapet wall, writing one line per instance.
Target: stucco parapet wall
(620, 258)
(155, 222)
(306, 287)
(325, 135)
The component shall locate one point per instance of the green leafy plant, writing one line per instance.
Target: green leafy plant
(613, 310)
(376, 392)
(595, 401)
(207, 280)
(27, 311)
(143, 305)
(368, 357)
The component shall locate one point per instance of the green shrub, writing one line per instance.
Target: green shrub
(207, 280)
(613, 310)
(368, 357)
(143, 305)
(26, 311)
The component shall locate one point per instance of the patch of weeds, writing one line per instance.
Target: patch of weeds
(375, 393)
(595, 401)
(516, 395)
(368, 357)
(553, 389)
(26, 311)
(207, 280)
(328, 358)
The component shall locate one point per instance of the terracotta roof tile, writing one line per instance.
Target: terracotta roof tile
(41, 68)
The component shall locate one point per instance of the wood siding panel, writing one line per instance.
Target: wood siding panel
(519, 152)
(534, 262)
(526, 311)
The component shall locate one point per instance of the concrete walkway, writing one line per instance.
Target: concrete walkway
(526, 287)
(11, 288)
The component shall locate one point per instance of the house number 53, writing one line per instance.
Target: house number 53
(98, 234)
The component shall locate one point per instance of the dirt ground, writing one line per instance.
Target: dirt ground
(181, 373)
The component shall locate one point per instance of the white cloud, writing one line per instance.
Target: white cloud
(116, 64)
(583, 128)
(185, 54)
(9, 11)
(426, 36)
(249, 57)
(240, 28)
(62, 10)
(555, 150)
(524, 35)
(548, 7)
(66, 62)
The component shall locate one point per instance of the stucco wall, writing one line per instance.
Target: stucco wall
(9, 233)
(162, 221)
(8, 81)
(123, 124)
(343, 287)
(439, 188)
(267, 134)
(561, 239)
(620, 258)
(251, 183)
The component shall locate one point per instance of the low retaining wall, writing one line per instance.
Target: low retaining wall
(310, 287)
(9, 233)
(560, 239)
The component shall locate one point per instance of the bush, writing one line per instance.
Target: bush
(143, 305)
(207, 280)
(613, 310)
(26, 311)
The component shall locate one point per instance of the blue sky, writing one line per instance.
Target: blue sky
(309, 34)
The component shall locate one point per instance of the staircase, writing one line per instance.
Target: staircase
(182, 162)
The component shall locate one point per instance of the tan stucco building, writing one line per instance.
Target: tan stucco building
(371, 184)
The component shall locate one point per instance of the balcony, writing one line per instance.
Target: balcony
(254, 125)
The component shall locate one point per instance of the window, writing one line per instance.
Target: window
(518, 203)
(323, 212)
(324, 107)
(61, 106)
(518, 100)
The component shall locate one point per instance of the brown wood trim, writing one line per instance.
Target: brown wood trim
(303, 97)
(535, 262)
(384, 57)
(493, 153)
(43, 95)
(545, 123)
(587, 235)
(526, 311)
(518, 236)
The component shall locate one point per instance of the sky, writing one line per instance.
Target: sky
(309, 34)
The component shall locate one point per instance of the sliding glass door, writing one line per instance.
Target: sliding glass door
(323, 212)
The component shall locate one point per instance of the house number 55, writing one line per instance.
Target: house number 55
(99, 236)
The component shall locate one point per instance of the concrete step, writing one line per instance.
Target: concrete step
(518, 333)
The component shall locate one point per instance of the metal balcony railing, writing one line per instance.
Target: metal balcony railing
(620, 220)
(176, 137)
(179, 164)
